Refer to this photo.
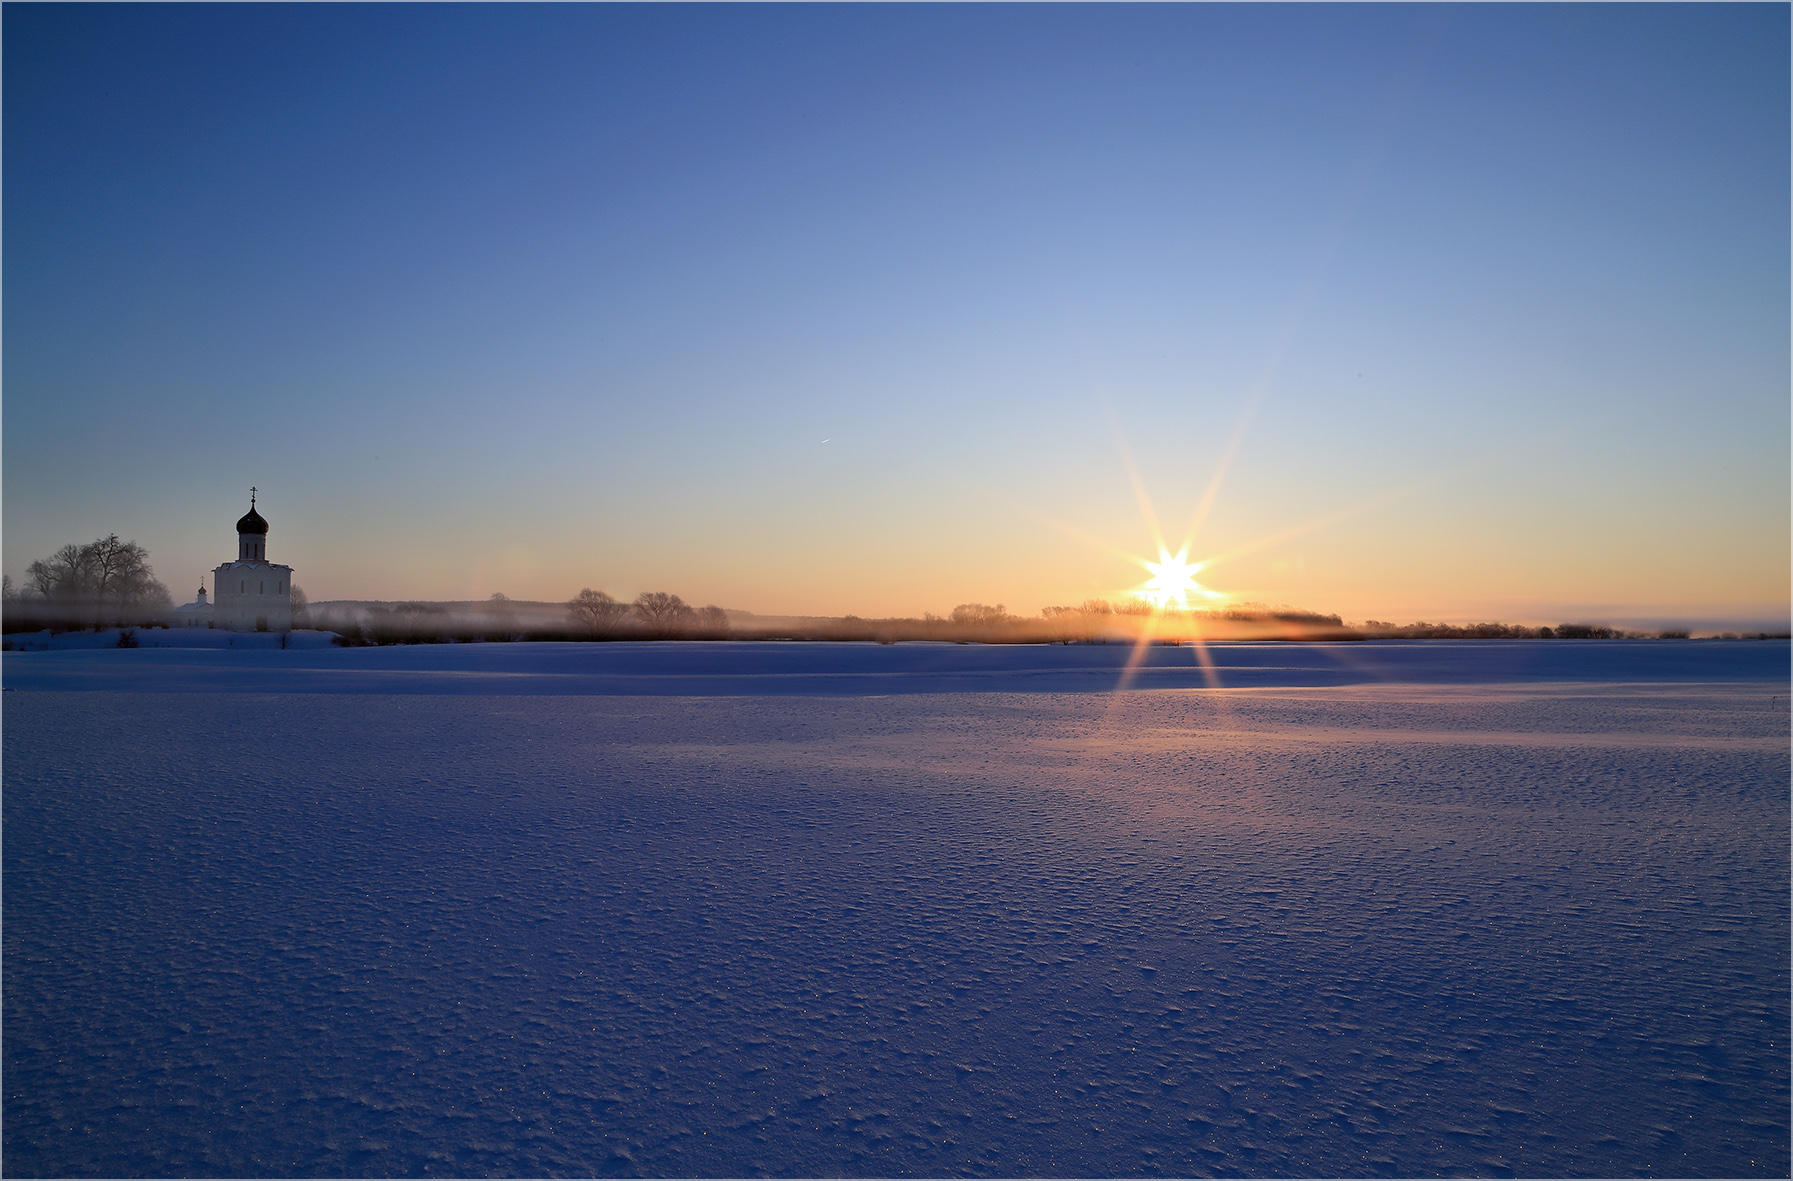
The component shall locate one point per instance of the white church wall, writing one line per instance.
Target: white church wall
(249, 593)
(252, 593)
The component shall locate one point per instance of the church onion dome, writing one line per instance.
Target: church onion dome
(252, 522)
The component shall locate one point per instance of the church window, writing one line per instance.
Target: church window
(261, 588)
(241, 586)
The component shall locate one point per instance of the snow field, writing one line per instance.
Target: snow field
(1532, 929)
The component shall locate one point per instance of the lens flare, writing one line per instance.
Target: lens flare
(1173, 581)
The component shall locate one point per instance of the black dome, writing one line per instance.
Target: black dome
(251, 522)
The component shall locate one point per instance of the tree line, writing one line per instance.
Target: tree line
(110, 583)
(589, 615)
(653, 613)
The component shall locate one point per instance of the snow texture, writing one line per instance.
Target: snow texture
(811, 669)
(697, 909)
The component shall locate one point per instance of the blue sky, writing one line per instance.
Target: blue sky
(842, 309)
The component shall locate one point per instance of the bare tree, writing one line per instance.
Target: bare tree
(596, 612)
(116, 565)
(40, 579)
(661, 613)
(301, 603)
(712, 619)
(65, 574)
(979, 614)
(107, 579)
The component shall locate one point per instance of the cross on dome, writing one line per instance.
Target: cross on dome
(252, 522)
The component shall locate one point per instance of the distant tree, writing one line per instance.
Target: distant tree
(979, 614)
(596, 612)
(300, 602)
(1288, 615)
(712, 619)
(65, 574)
(108, 579)
(1096, 607)
(7, 592)
(116, 564)
(661, 613)
(501, 613)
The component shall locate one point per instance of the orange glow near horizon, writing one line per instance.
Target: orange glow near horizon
(1172, 582)
(1172, 585)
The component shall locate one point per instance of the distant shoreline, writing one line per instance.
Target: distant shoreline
(356, 623)
(87, 639)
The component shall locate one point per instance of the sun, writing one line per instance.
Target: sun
(1173, 580)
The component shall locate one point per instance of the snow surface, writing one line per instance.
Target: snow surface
(167, 637)
(758, 668)
(719, 910)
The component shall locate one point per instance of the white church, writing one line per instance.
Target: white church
(249, 594)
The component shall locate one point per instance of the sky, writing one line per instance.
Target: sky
(1446, 313)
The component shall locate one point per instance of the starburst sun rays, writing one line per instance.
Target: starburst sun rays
(1173, 581)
